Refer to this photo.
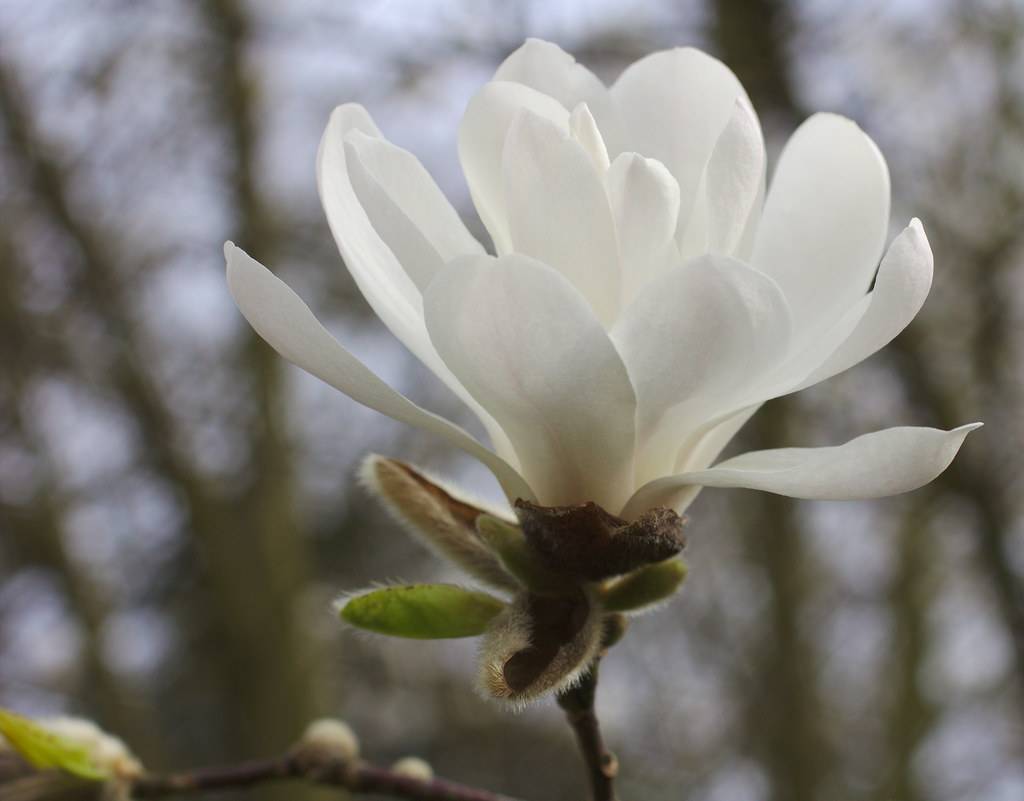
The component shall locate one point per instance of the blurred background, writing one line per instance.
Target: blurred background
(177, 504)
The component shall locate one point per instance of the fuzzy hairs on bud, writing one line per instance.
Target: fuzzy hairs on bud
(537, 645)
(436, 517)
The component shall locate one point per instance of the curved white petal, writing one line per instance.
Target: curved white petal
(901, 287)
(382, 279)
(874, 465)
(529, 348)
(644, 198)
(733, 179)
(825, 220)
(544, 66)
(673, 106)
(405, 206)
(482, 134)
(702, 448)
(558, 210)
(711, 438)
(585, 131)
(417, 256)
(287, 324)
(376, 271)
(694, 340)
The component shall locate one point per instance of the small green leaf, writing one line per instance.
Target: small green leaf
(423, 611)
(43, 749)
(644, 587)
(518, 557)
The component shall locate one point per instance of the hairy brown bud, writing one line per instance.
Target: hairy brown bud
(539, 644)
(587, 543)
(441, 521)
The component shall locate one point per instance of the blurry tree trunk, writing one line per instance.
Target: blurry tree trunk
(911, 714)
(251, 552)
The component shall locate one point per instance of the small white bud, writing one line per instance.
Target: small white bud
(414, 768)
(328, 738)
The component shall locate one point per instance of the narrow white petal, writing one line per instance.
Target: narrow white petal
(288, 325)
(558, 210)
(693, 341)
(874, 465)
(733, 179)
(482, 136)
(401, 179)
(825, 220)
(407, 243)
(529, 348)
(549, 69)
(711, 438)
(585, 131)
(901, 287)
(673, 106)
(380, 276)
(645, 204)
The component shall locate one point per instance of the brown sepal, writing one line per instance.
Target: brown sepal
(585, 542)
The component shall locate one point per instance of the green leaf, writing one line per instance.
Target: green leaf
(43, 749)
(644, 587)
(423, 611)
(508, 542)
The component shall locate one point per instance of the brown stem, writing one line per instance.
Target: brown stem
(602, 766)
(357, 776)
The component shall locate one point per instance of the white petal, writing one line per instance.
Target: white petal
(733, 179)
(558, 210)
(694, 340)
(287, 324)
(381, 278)
(673, 106)
(376, 271)
(482, 135)
(405, 206)
(549, 69)
(585, 131)
(900, 290)
(825, 220)
(701, 448)
(645, 204)
(710, 440)
(874, 465)
(529, 348)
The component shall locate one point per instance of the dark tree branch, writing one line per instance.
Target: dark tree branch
(356, 776)
(602, 766)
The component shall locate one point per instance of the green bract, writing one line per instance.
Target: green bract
(43, 749)
(645, 587)
(422, 611)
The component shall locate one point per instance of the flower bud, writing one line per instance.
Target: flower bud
(434, 516)
(105, 751)
(328, 739)
(413, 768)
(538, 644)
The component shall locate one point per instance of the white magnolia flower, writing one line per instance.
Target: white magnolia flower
(648, 293)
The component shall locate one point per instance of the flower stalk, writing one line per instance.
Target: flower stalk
(578, 704)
